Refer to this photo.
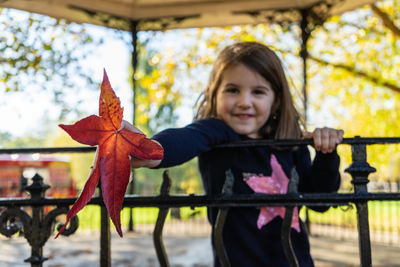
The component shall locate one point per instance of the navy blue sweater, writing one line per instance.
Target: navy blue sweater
(245, 244)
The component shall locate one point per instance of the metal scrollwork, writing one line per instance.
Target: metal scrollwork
(13, 220)
(36, 226)
(49, 223)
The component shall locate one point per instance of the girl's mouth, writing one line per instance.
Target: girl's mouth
(243, 116)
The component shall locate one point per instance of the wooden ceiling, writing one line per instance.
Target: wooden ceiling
(171, 14)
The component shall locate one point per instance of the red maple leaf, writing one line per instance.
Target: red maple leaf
(115, 146)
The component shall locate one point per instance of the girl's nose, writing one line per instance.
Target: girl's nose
(244, 100)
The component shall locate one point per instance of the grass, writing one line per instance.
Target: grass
(89, 217)
(383, 216)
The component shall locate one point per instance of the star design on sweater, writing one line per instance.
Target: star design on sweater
(277, 183)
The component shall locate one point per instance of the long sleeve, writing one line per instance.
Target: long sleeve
(320, 175)
(183, 144)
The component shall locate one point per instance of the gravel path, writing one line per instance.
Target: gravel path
(134, 250)
(83, 249)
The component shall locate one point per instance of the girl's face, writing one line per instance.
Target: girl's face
(244, 100)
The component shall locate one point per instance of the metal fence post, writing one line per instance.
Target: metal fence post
(359, 170)
(287, 222)
(105, 236)
(36, 190)
(227, 190)
(162, 215)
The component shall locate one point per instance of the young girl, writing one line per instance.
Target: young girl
(248, 98)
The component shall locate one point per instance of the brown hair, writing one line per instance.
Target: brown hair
(284, 121)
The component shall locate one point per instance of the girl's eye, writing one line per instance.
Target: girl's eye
(232, 90)
(259, 92)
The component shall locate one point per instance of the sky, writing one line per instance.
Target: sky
(22, 112)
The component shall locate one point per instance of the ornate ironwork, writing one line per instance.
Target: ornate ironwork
(37, 226)
(14, 220)
(359, 170)
(315, 15)
(34, 225)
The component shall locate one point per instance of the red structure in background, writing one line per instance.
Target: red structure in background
(16, 169)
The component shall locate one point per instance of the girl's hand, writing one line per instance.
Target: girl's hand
(139, 162)
(147, 163)
(325, 139)
(128, 126)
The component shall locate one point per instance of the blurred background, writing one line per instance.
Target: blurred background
(52, 75)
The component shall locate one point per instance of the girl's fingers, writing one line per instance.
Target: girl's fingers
(128, 126)
(140, 163)
(317, 139)
(340, 136)
(328, 144)
(307, 134)
(326, 139)
(137, 163)
(333, 141)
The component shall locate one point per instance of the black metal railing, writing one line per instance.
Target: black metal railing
(340, 222)
(37, 226)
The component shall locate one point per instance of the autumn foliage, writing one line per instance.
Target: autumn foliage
(115, 146)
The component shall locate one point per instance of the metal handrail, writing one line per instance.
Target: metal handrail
(254, 200)
(248, 143)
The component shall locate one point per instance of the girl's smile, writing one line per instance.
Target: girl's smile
(243, 116)
(244, 100)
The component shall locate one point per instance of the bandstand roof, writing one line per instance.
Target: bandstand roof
(172, 14)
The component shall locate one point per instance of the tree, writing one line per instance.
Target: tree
(356, 61)
(371, 25)
(158, 96)
(155, 95)
(42, 52)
